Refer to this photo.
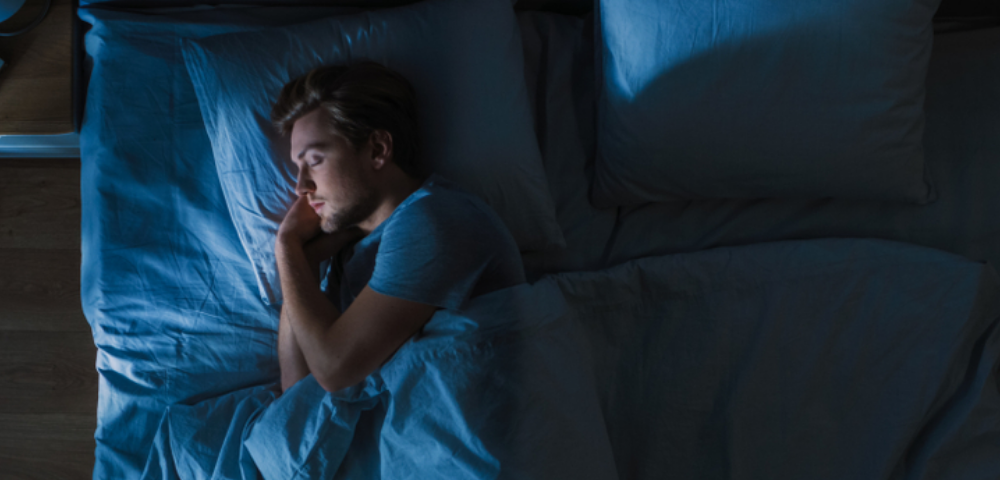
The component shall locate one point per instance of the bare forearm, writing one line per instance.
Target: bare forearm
(293, 363)
(308, 310)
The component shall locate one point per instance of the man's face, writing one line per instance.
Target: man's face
(337, 179)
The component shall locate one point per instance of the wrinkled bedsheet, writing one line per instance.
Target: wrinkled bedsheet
(813, 359)
(835, 358)
(165, 283)
(790, 360)
(496, 390)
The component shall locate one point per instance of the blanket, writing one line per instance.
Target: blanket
(492, 391)
(832, 358)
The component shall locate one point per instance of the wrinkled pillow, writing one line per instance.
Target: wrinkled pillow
(465, 61)
(762, 98)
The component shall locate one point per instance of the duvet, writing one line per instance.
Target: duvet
(800, 359)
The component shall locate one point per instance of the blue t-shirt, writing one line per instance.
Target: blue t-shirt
(441, 246)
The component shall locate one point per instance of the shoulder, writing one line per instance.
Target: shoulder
(441, 206)
(440, 245)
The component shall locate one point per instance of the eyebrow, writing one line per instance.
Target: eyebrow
(317, 145)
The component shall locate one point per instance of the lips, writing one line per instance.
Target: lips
(317, 206)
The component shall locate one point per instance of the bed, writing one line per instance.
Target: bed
(695, 338)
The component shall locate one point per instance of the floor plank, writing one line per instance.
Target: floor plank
(48, 382)
(40, 290)
(46, 446)
(47, 372)
(39, 205)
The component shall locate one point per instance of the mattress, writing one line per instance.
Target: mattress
(690, 312)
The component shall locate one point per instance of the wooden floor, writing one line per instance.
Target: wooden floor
(48, 383)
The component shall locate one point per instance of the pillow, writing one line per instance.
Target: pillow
(464, 59)
(762, 98)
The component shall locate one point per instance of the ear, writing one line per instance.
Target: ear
(381, 143)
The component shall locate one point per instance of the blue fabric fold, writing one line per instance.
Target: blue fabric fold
(306, 433)
(497, 390)
(205, 440)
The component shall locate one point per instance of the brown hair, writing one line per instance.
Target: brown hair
(358, 100)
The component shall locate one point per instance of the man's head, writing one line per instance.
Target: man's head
(353, 134)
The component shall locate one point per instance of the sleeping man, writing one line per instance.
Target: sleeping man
(395, 247)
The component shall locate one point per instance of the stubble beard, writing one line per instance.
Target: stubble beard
(364, 204)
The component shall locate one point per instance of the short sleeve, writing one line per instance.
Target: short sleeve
(436, 250)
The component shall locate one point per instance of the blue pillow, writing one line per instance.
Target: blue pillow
(762, 98)
(465, 61)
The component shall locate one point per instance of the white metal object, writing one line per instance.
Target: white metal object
(40, 146)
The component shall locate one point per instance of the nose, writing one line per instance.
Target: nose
(303, 183)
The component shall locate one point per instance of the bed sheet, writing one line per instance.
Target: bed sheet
(173, 306)
(166, 287)
(494, 391)
(830, 358)
(835, 358)
(962, 156)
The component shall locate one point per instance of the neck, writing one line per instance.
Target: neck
(396, 187)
